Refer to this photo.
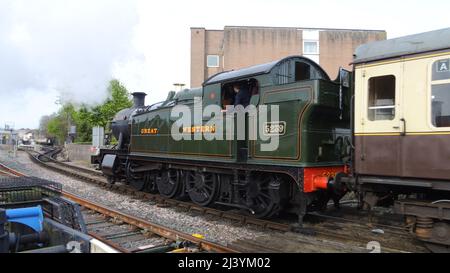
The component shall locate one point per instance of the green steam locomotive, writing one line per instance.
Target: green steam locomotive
(306, 116)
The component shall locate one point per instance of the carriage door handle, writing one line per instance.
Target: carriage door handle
(404, 126)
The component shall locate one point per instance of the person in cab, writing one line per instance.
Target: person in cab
(242, 95)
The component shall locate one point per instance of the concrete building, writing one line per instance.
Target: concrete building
(214, 51)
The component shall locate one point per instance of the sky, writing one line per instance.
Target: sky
(68, 50)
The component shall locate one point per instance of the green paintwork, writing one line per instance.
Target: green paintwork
(310, 109)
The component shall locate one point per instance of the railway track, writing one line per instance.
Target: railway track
(8, 172)
(323, 226)
(129, 234)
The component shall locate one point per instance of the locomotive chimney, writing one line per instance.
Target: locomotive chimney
(138, 99)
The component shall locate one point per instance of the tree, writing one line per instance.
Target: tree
(118, 99)
(85, 117)
(54, 129)
(83, 120)
(59, 124)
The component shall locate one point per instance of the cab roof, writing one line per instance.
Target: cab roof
(261, 69)
(408, 45)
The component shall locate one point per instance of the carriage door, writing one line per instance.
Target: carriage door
(381, 120)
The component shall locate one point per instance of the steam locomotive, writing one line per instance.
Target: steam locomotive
(382, 131)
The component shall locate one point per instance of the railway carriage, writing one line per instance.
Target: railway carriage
(402, 129)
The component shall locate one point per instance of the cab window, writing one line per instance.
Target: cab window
(302, 71)
(239, 92)
(382, 98)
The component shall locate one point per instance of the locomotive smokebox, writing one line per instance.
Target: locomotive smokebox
(138, 99)
(121, 123)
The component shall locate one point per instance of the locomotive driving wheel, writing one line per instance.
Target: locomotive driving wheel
(264, 195)
(202, 187)
(169, 183)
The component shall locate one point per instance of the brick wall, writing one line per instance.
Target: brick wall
(240, 47)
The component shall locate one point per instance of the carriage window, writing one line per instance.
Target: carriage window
(440, 105)
(382, 98)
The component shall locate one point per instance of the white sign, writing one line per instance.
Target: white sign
(443, 66)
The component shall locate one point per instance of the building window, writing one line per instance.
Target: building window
(382, 98)
(440, 105)
(310, 47)
(212, 61)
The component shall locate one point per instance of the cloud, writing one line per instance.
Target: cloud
(64, 47)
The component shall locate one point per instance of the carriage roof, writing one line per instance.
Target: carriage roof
(408, 45)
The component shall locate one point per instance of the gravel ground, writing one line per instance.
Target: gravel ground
(220, 231)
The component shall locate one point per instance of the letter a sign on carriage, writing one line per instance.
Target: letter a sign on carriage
(444, 66)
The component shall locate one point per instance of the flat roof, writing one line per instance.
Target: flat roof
(311, 28)
(408, 45)
(302, 28)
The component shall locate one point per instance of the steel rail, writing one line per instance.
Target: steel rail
(8, 171)
(4, 173)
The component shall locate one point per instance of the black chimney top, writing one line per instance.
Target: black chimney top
(139, 99)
